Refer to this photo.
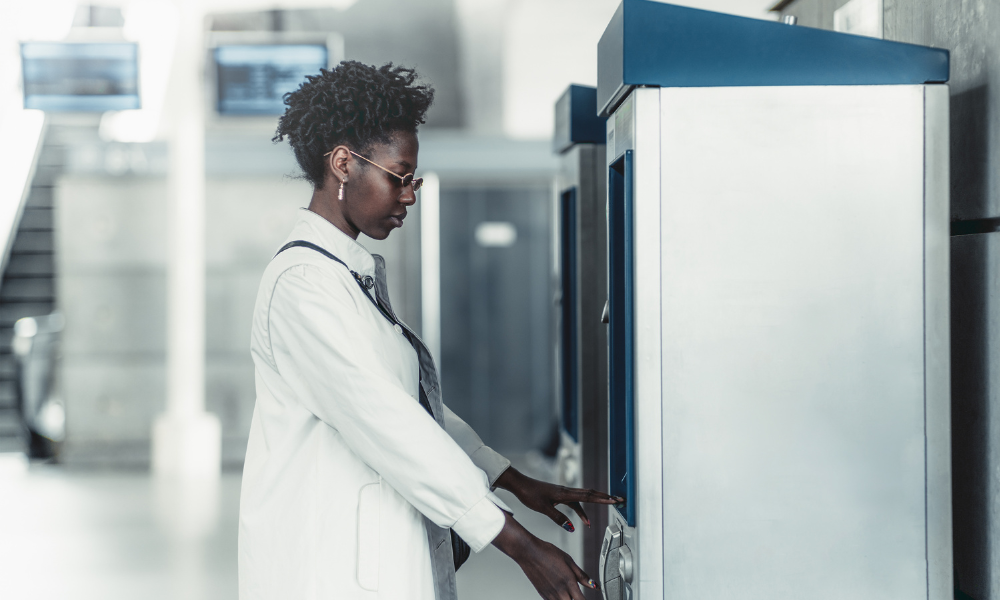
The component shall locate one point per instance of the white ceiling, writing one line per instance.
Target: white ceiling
(515, 57)
(550, 44)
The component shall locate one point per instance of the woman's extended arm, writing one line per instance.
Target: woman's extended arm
(484, 457)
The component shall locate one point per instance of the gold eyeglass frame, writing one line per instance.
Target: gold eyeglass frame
(415, 182)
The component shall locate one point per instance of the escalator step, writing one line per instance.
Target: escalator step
(40, 196)
(36, 219)
(31, 264)
(28, 288)
(11, 444)
(9, 418)
(33, 242)
(46, 175)
(6, 367)
(52, 156)
(10, 312)
(8, 395)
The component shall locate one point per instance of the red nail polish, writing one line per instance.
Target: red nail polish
(569, 527)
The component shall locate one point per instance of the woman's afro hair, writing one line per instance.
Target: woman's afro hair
(353, 104)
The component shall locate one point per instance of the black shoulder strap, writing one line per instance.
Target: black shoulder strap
(363, 282)
(312, 246)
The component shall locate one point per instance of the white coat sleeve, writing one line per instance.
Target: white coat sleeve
(335, 370)
(484, 457)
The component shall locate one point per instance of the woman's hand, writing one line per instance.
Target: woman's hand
(552, 571)
(543, 497)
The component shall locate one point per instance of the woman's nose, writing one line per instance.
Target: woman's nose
(409, 197)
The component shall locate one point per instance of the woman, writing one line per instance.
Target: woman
(356, 474)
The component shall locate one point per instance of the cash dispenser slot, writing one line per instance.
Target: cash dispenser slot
(621, 334)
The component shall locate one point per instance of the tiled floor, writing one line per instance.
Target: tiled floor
(68, 535)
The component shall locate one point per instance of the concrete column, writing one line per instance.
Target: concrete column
(480, 40)
(186, 439)
(430, 264)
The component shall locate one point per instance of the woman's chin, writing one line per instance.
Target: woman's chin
(379, 233)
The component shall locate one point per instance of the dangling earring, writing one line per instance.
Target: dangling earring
(340, 194)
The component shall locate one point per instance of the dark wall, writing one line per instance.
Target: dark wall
(496, 311)
(975, 435)
(970, 29)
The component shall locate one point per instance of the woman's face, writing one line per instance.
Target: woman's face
(375, 202)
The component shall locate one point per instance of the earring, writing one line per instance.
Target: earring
(340, 194)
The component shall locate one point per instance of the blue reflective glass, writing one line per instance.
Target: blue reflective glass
(621, 336)
(569, 323)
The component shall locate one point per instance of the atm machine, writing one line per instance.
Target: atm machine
(779, 321)
(580, 292)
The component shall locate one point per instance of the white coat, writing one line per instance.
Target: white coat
(349, 484)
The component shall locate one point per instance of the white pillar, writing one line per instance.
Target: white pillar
(430, 265)
(186, 439)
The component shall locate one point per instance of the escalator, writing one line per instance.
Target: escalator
(27, 288)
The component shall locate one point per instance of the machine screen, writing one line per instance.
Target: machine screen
(80, 77)
(569, 348)
(621, 288)
(252, 80)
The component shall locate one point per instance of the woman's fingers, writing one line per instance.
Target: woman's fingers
(578, 509)
(559, 519)
(583, 578)
(553, 572)
(573, 579)
(576, 593)
(573, 497)
(592, 496)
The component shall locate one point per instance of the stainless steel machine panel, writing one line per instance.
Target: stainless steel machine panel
(634, 464)
(791, 353)
(800, 361)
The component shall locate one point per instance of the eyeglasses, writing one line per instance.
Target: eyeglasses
(404, 180)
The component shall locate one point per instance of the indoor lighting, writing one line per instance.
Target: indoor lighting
(153, 25)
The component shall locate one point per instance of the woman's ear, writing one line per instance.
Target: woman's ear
(337, 162)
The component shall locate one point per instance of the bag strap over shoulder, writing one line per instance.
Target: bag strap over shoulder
(365, 283)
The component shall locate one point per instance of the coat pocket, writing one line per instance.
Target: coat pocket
(369, 499)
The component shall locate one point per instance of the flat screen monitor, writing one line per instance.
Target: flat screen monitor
(252, 79)
(80, 77)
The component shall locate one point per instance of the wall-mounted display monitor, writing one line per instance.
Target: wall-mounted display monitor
(80, 77)
(251, 79)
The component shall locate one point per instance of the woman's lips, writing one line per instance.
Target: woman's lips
(397, 220)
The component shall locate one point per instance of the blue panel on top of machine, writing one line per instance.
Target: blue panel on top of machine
(662, 45)
(577, 121)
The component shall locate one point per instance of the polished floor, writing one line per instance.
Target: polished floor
(68, 535)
